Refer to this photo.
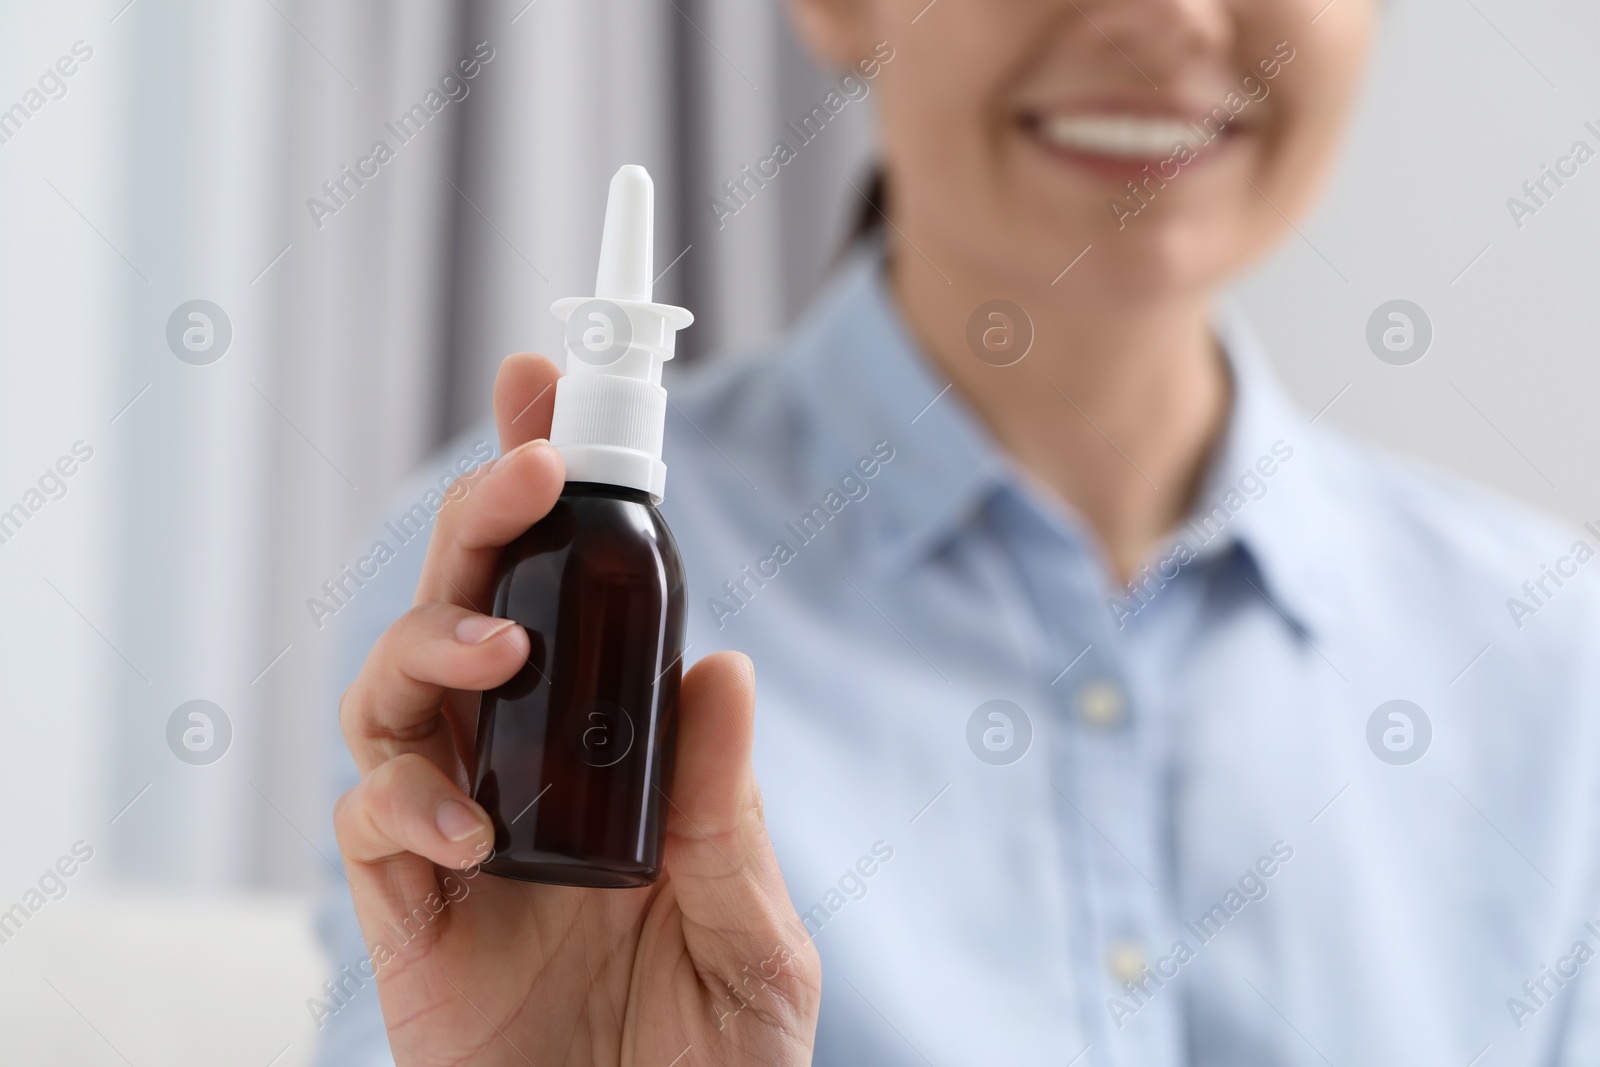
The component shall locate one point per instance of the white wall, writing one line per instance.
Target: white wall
(1454, 120)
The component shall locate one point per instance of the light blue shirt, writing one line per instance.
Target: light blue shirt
(1030, 818)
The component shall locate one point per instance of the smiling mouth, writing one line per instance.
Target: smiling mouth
(1113, 142)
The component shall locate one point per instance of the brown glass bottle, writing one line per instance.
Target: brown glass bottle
(574, 753)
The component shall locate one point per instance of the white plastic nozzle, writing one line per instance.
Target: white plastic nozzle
(628, 238)
(610, 409)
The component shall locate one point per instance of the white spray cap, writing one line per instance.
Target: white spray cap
(610, 409)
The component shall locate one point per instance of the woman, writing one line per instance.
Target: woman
(1094, 695)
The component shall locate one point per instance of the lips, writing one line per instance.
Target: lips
(1117, 141)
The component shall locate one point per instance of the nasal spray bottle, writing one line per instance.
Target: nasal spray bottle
(574, 754)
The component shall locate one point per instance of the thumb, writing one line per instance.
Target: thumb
(736, 911)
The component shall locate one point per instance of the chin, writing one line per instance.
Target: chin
(1169, 258)
(1173, 256)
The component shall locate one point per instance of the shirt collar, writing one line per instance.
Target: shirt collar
(1286, 521)
(861, 379)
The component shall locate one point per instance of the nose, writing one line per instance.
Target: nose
(1157, 34)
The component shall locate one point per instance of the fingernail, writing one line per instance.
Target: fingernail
(525, 447)
(457, 821)
(476, 629)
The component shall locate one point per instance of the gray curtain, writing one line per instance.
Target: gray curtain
(695, 90)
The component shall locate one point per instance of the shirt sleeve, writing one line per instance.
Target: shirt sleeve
(1577, 1037)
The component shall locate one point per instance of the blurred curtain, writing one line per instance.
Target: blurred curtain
(371, 300)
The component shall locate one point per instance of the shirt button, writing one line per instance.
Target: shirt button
(1125, 960)
(1102, 704)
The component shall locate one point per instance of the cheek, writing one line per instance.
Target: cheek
(938, 152)
(1289, 156)
(931, 125)
(1315, 90)
(942, 94)
(1297, 151)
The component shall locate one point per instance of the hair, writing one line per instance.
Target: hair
(868, 223)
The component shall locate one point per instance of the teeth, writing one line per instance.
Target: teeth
(1122, 136)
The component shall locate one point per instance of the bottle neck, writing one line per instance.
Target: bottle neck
(605, 489)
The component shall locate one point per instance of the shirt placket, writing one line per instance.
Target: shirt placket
(1107, 779)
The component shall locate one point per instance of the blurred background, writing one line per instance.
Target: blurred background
(239, 350)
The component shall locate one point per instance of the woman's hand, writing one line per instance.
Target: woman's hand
(708, 966)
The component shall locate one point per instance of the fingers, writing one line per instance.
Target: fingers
(524, 396)
(498, 504)
(396, 703)
(718, 853)
(736, 910)
(714, 785)
(393, 828)
(500, 501)
(408, 807)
